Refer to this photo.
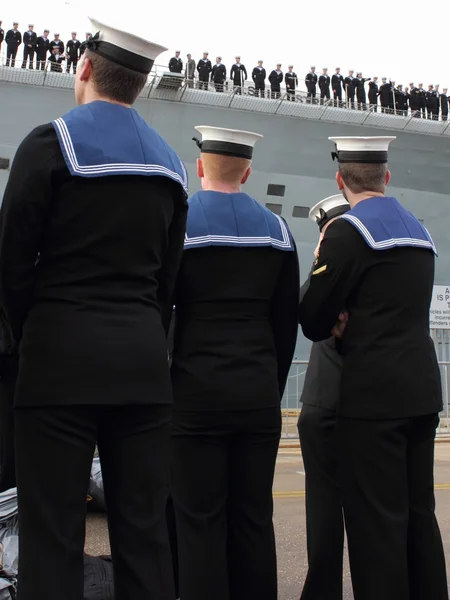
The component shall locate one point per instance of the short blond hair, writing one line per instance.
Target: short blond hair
(229, 169)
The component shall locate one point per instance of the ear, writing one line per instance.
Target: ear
(200, 173)
(85, 69)
(246, 175)
(387, 177)
(339, 181)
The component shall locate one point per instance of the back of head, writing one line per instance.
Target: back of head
(226, 169)
(359, 178)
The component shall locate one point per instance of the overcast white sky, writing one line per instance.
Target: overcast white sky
(392, 39)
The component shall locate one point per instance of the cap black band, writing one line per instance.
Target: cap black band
(325, 217)
(225, 148)
(361, 156)
(122, 57)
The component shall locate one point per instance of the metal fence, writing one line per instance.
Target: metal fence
(291, 406)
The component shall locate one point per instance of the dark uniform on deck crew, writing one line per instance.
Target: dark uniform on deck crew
(385, 95)
(316, 427)
(259, 79)
(414, 100)
(219, 75)
(359, 84)
(349, 89)
(324, 85)
(422, 101)
(401, 100)
(337, 82)
(73, 52)
(204, 69)
(373, 94)
(84, 43)
(91, 316)
(291, 81)
(236, 327)
(238, 75)
(437, 103)
(377, 263)
(276, 79)
(55, 60)
(311, 83)
(57, 43)
(42, 49)
(29, 47)
(444, 100)
(432, 101)
(13, 40)
(175, 63)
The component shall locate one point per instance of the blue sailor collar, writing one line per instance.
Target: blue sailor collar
(100, 139)
(384, 223)
(219, 219)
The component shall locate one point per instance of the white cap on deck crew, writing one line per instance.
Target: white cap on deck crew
(123, 48)
(228, 142)
(328, 209)
(362, 149)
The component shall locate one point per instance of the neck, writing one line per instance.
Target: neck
(219, 186)
(354, 199)
(90, 95)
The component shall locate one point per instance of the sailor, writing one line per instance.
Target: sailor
(376, 263)
(29, 46)
(189, 71)
(204, 69)
(238, 75)
(55, 60)
(2, 34)
(349, 89)
(57, 43)
(444, 101)
(316, 427)
(175, 63)
(236, 327)
(259, 79)
(276, 79)
(311, 83)
(324, 85)
(42, 48)
(359, 84)
(13, 40)
(84, 43)
(414, 100)
(106, 217)
(219, 74)
(73, 52)
(373, 94)
(437, 103)
(422, 100)
(385, 95)
(291, 81)
(401, 100)
(337, 82)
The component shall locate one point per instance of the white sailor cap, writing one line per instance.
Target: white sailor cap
(123, 48)
(227, 142)
(328, 209)
(362, 149)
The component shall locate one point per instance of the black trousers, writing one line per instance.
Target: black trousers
(8, 379)
(444, 115)
(203, 81)
(11, 53)
(54, 450)
(386, 477)
(71, 62)
(260, 90)
(275, 93)
(324, 517)
(290, 95)
(337, 96)
(28, 54)
(223, 464)
(41, 61)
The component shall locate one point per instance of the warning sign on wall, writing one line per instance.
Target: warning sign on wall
(440, 307)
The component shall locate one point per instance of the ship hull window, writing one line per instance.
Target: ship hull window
(301, 212)
(273, 189)
(275, 208)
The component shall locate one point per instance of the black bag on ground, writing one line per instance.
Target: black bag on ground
(98, 578)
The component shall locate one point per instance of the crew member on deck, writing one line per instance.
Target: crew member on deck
(385, 95)
(311, 83)
(324, 85)
(259, 79)
(276, 79)
(55, 60)
(373, 94)
(337, 82)
(189, 71)
(349, 89)
(29, 47)
(291, 81)
(13, 40)
(2, 35)
(219, 75)
(444, 100)
(238, 75)
(88, 262)
(57, 43)
(316, 427)
(359, 84)
(42, 49)
(175, 63)
(422, 101)
(73, 52)
(236, 328)
(371, 286)
(204, 69)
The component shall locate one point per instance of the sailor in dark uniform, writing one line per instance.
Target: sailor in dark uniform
(55, 60)
(219, 74)
(414, 100)
(316, 427)
(91, 316)
(176, 63)
(238, 75)
(73, 52)
(359, 83)
(372, 286)
(42, 49)
(29, 47)
(422, 101)
(444, 101)
(13, 39)
(236, 327)
(57, 43)
(373, 94)
(437, 103)
(311, 83)
(291, 81)
(337, 82)
(276, 79)
(385, 95)
(259, 79)
(204, 69)
(349, 89)
(324, 85)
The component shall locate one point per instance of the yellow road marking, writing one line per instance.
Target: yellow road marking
(301, 493)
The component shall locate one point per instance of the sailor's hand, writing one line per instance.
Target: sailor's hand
(340, 326)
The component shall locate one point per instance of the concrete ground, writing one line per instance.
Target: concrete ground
(290, 526)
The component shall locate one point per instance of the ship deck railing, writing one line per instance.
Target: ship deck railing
(166, 86)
